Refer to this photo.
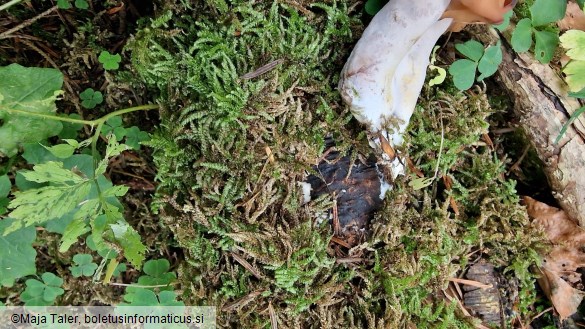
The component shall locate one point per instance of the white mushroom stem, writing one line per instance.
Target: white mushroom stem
(385, 72)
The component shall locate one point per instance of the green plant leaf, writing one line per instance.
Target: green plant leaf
(157, 274)
(441, 75)
(109, 61)
(70, 130)
(63, 4)
(463, 72)
(35, 153)
(545, 45)
(135, 136)
(32, 90)
(574, 42)
(39, 205)
(471, 49)
(119, 269)
(129, 239)
(106, 252)
(44, 293)
(575, 72)
(72, 232)
(573, 117)
(61, 151)
(504, 25)
(81, 4)
(112, 150)
(372, 7)
(17, 256)
(522, 36)
(5, 187)
(84, 265)
(547, 11)
(90, 98)
(490, 61)
(169, 298)
(141, 297)
(578, 94)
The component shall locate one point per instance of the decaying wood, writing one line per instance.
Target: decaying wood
(541, 102)
(355, 187)
(484, 302)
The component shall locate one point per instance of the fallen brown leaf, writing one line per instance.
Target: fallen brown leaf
(559, 269)
(574, 18)
(564, 298)
(559, 228)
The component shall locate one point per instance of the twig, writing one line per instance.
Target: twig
(273, 318)
(247, 265)
(471, 283)
(9, 4)
(141, 286)
(263, 69)
(26, 23)
(349, 260)
(516, 165)
(541, 313)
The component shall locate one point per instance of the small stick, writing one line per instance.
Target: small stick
(26, 23)
(471, 283)
(246, 265)
(263, 69)
(273, 319)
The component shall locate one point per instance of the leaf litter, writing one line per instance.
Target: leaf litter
(560, 279)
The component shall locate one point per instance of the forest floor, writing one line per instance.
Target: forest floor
(216, 189)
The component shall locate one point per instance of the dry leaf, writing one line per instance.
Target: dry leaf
(565, 262)
(560, 266)
(466, 12)
(559, 228)
(574, 18)
(564, 298)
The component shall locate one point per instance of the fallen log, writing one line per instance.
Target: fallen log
(542, 105)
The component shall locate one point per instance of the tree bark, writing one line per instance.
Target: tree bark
(542, 104)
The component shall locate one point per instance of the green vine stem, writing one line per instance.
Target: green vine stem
(91, 123)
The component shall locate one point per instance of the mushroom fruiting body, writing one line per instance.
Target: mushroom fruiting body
(385, 72)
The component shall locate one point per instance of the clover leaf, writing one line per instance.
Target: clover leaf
(81, 4)
(66, 4)
(522, 36)
(44, 293)
(63, 4)
(543, 12)
(157, 273)
(489, 62)
(145, 297)
(114, 125)
(84, 265)
(134, 136)
(109, 61)
(478, 58)
(90, 98)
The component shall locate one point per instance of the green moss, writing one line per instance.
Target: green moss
(230, 152)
